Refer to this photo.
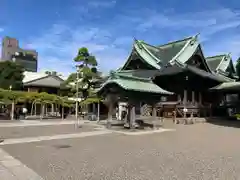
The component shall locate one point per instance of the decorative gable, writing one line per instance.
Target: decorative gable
(198, 60)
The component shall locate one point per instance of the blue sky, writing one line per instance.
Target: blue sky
(57, 28)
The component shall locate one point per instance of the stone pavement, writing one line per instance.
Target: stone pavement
(39, 123)
(54, 137)
(13, 169)
(46, 130)
(200, 151)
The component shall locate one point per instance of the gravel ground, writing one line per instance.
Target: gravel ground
(200, 151)
(33, 131)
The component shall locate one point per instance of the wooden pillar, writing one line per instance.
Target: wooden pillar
(193, 97)
(127, 121)
(185, 97)
(110, 112)
(179, 98)
(200, 98)
(141, 111)
(94, 108)
(111, 99)
(184, 103)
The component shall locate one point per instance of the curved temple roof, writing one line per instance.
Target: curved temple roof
(220, 62)
(170, 53)
(228, 86)
(158, 58)
(132, 83)
(175, 69)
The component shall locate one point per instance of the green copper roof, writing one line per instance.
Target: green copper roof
(177, 68)
(214, 61)
(134, 84)
(148, 57)
(165, 54)
(146, 74)
(159, 56)
(221, 63)
(228, 86)
(181, 42)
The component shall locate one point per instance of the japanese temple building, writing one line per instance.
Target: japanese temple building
(177, 70)
(42, 82)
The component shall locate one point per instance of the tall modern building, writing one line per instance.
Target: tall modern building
(12, 52)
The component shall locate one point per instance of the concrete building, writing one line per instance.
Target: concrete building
(12, 52)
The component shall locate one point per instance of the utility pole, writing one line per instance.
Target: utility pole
(77, 88)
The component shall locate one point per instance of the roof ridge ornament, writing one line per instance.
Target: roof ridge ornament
(113, 74)
(194, 39)
(196, 36)
(229, 55)
(139, 43)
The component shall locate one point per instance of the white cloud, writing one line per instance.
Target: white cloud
(89, 7)
(224, 46)
(214, 20)
(102, 3)
(210, 23)
(58, 46)
(1, 29)
(111, 44)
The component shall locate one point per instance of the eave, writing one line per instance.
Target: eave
(143, 56)
(179, 68)
(131, 83)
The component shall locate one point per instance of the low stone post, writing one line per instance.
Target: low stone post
(154, 115)
(132, 117)
(175, 117)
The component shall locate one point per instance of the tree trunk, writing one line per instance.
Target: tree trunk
(98, 114)
(32, 109)
(42, 111)
(62, 112)
(35, 109)
(46, 109)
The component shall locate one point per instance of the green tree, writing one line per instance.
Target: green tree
(87, 67)
(87, 64)
(11, 74)
(66, 88)
(238, 68)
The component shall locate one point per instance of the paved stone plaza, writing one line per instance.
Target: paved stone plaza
(199, 151)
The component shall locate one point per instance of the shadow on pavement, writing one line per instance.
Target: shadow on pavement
(227, 122)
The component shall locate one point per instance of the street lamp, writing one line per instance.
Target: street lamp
(12, 110)
(77, 95)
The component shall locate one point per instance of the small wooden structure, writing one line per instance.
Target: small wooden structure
(120, 87)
